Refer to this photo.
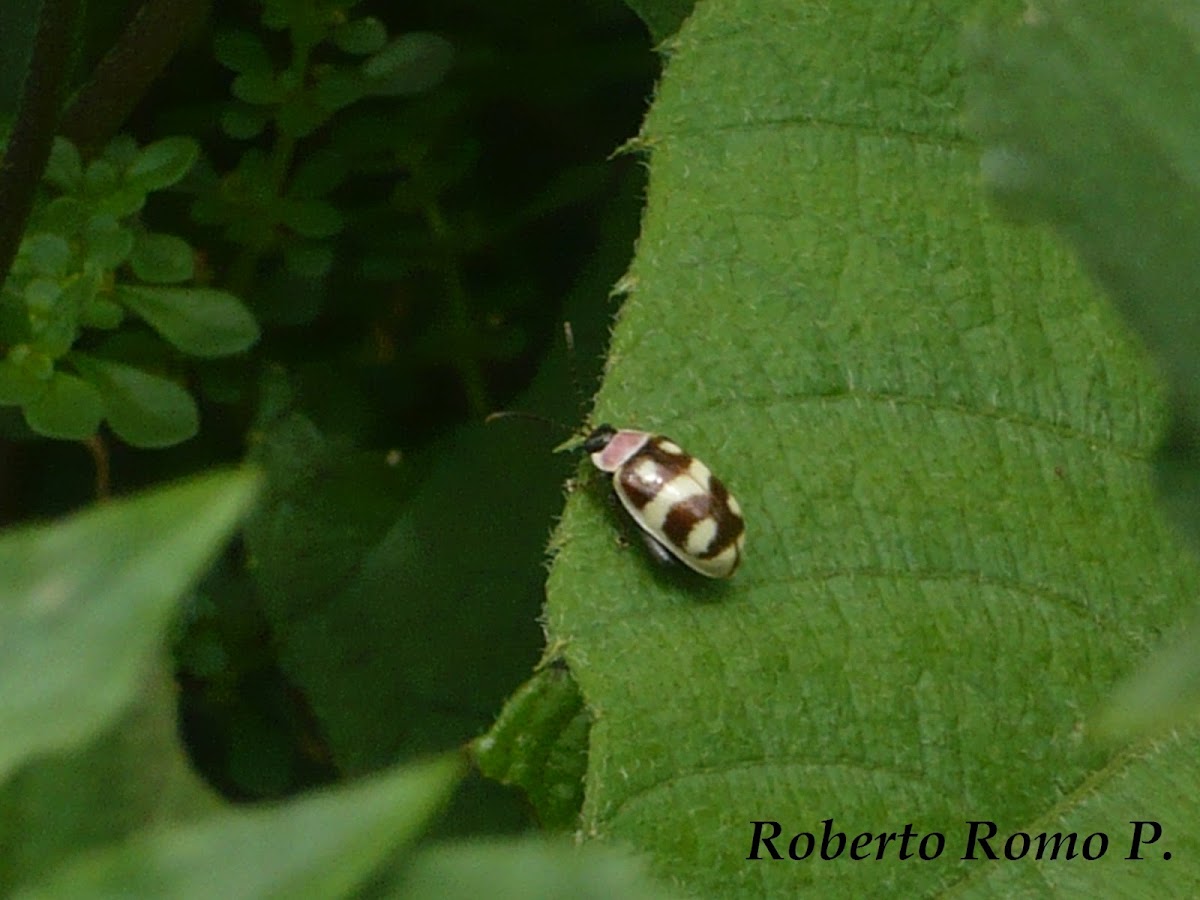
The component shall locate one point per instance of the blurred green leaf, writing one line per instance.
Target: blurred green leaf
(360, 36)
(941, 438)
(144, 410)
(317, 174)
(64, 169)
(308, 260)
(41, 296)
(121, 151)
(338, 87)
(101, 313)
(323, 845)
(162, 163)
(162, 258)
(310, 218)
(1122, 79)
(30, 360)
(258, 88)
(527, 869)
(410, 64)
(65, 215)
(539, 744)
(300, 115)
(68, 408)
(100, 178)
(131, 772)
(107, 243)
(307, 22)
(200, 321)
(242, 121)
(46, 254)
(18, 385)
(85, 604)
(121, 203)
(242, 52)
(367, 602)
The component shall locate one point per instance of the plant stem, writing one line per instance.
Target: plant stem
(37, 118)
(122, 77)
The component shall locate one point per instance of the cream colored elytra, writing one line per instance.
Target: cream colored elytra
(684, 510)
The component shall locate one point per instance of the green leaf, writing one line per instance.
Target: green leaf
(258, 88)
(162, 258)
(100, 178)
(324, 845)
(242, 52)
(68, 408)
(65, 215)
(338, 87)
(64, 169)
(317, 174)
(18, 385)
(1121, 79)
(132, 771)
(941, 437)
(662, 17)
(360, 36)
(539, 744)
(200, 321)
(310, 218)
(121, 151)
(36, 364)
(46, 254)
(527, 868)
(1122, 190)
(86, 602)
(107, 243)
(41, 296)
(308, 260)
(101, 313)
(242, 121)
(121, 203)
(410, 64)
(364, 603)
(162, 163)
(300, 115)
(143, 409)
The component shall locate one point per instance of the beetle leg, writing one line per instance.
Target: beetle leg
(661, 554)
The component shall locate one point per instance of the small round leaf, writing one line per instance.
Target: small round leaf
(100, 178)
(308, 260)
(162, 258)
(69, 409)
(101, 313)
(242, 121)
(360, 36)
(106, 243)
(310, 218)
(242, 52)
(64, 215)
(46, 254)
(18, 384)
(410, 64)
(162, 163)
(144, 410)
(64, 169)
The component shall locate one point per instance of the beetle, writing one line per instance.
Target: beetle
(684, 511)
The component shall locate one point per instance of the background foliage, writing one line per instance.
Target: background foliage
(327, 238)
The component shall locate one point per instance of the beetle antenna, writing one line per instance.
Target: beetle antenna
(576, 436)
(522, 414)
